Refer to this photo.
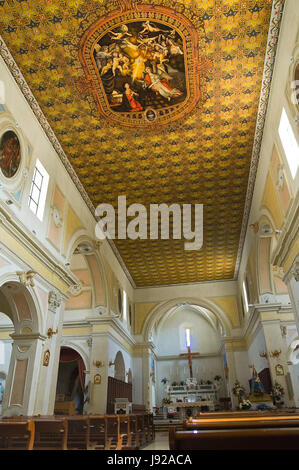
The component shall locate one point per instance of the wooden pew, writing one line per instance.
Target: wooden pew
(50, 434)
(244, 423)
(142, 436)
(236, 414)
(114, 438)
(17, 435)
(135, 436)
(151, 426)
(235, 439)
(97, 433)
(78, 432)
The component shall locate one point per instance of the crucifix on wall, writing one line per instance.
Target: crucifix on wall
(189, 354)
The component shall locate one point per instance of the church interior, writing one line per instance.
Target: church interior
(133, 338)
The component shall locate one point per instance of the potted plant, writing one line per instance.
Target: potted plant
(164, 380)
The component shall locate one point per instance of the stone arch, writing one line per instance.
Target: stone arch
(293, 352)
(164, 307)
(66, 343)
(119, 367)
(24, 307)
(21, 305)
(95, 265)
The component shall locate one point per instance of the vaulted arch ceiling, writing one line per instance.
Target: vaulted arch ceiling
(198, 145)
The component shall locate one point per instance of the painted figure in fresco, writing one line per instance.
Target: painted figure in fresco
(129, 101)
(149, 28)
(9, 154)
(143, 56)
(161, 86)
(124, 31)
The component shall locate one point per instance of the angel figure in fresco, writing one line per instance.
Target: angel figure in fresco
(107, 67)
(162, 86)
(101, 56)
(129, 99)
(124, 31)
(149, 28)
(174, 48)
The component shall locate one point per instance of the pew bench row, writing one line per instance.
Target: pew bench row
(92, 432)
(238, 431)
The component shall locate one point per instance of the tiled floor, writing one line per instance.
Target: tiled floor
(160, 443)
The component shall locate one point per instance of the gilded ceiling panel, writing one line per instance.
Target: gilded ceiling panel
(158, 101)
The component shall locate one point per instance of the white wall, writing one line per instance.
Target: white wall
(171, 342)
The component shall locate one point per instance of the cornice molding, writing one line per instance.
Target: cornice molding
(23, 236)
(116, 325)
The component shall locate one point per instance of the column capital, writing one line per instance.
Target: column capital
(28, 337)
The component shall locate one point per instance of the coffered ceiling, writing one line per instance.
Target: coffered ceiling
(198, 144)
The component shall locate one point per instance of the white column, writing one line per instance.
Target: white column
(22, 380)
(277, 356)
(232, 377)
(48, 373)
(292, 281)
(98, 376)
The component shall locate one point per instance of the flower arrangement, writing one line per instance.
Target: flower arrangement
(277, 393)
(238, 390)
(245, 405)
(217, 378)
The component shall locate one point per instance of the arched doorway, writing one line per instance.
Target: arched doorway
(176, 330)
(70, 382)
(5, 351)
(23, 351)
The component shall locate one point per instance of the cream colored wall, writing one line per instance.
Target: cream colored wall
(272, 202)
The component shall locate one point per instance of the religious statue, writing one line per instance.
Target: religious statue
(257, 387)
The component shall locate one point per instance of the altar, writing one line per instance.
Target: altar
(188, 409)
(190, 398)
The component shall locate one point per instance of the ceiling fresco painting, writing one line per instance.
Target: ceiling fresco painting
(162, 101)
(145, 57)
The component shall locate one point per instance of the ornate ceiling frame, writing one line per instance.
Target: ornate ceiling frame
(194, 72)
(274, 28)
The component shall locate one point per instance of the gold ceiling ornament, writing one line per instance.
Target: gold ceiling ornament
(255, 227)
(264, 355)
(276, 353)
